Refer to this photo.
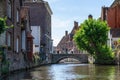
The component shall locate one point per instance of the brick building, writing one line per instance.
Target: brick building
(66, 44)
(19, 40)
(112, 16)
(40, 19)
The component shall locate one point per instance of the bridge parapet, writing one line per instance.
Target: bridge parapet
(55, 58)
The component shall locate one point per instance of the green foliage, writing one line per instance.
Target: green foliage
(5, 64)
(2, 25)
(5, 67)
(92, 37)
(36, 58)
(106, 56)
(1, 52)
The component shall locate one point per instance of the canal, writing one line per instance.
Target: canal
(68, 72)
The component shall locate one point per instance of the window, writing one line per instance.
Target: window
(9, 39)
(17, 15)
(34, 0)
(9, 8)
(17, 45)
(23, 36)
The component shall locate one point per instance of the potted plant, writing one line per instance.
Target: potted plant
(4, 46)
(9, 48)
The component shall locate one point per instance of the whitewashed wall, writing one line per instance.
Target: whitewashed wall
(109, 42)
(36, 41)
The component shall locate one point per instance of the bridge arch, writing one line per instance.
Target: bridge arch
(65, 57)
(55, 58)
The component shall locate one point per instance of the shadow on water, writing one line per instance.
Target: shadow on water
(68, 72)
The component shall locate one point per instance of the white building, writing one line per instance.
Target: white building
(36, 41)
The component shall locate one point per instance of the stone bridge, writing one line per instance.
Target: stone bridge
(55, 58)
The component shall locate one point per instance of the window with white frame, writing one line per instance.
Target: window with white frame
(17, 15)
(23, 36)
(9, 9)
(17, 45)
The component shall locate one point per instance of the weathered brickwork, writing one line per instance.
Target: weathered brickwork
(67, 45)
(112, 16)
(2, 39)
(2, 8)
(12, 38)
(40, 15)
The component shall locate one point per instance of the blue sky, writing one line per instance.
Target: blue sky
(65, 12)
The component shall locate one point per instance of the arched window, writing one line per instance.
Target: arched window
(9, 9)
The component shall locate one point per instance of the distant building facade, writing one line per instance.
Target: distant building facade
(67, 45)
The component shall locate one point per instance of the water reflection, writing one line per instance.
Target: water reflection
(69, 72)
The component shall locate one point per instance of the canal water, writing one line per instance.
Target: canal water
(68, 72)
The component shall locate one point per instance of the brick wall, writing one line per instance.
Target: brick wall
(2, 8)
(3, 38)
(113, 17)
(39, 16)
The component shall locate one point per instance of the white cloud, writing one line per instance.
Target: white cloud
(58, 28)
(56, 41)
(60, 23)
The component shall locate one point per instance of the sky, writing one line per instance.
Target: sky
(65, 12)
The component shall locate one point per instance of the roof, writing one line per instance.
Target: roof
(29, 35)
(115, 3)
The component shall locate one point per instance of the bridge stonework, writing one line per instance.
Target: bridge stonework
(55, 58)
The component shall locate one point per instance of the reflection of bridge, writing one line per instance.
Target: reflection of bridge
(83, 58)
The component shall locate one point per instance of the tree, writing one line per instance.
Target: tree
(92, 37)
(3, 26)
(5, 62)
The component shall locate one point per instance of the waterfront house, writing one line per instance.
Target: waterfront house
(112, 16)
(66, 44)
(40, 23)
(16, 40)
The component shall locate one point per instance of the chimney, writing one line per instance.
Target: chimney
(66, 33)
(90, 16)
(75, 23)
